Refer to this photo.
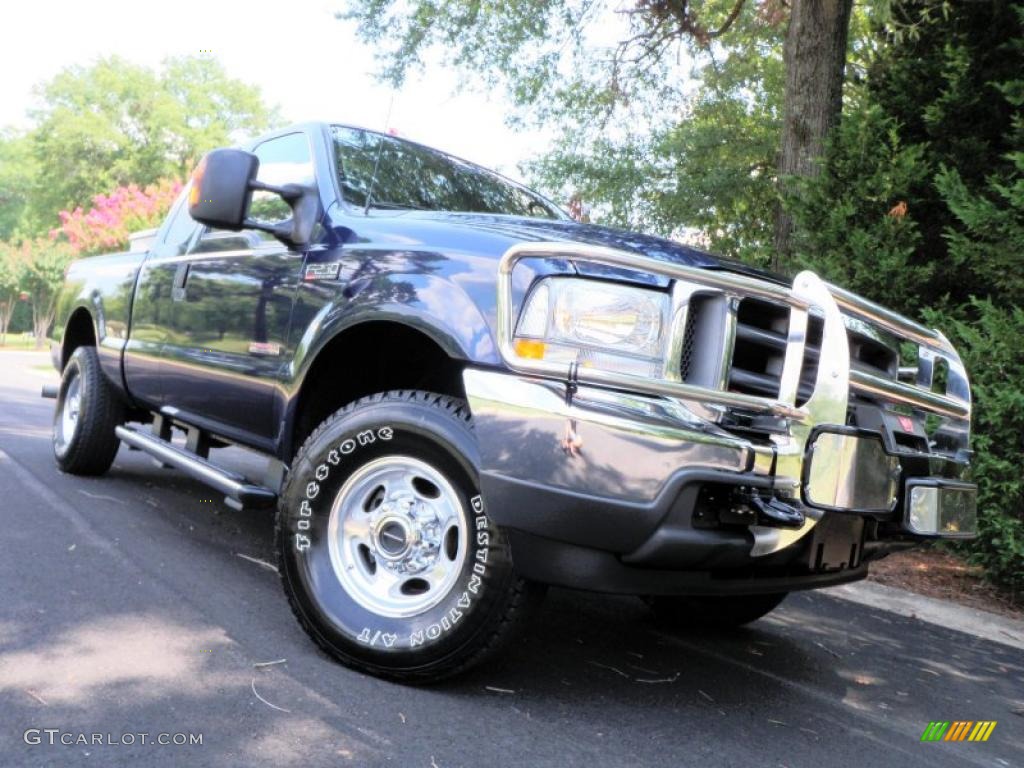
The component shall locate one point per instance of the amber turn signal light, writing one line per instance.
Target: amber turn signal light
(530, 348)
(197, 183)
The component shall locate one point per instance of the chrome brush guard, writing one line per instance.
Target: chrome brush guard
(834, 384)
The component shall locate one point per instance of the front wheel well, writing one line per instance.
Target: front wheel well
(79, 332)
(372, 357)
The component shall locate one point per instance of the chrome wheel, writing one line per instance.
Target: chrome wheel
(397, 536)
(68, 422)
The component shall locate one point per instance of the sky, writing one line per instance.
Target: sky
(304, 60)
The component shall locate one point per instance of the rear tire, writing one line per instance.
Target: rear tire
(88, 409)
(713, 610)
(387, 556)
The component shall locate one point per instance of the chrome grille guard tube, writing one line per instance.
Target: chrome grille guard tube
(833, 384)
(615, 258)
(955, 404)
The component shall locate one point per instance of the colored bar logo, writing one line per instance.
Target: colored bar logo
(958, 730)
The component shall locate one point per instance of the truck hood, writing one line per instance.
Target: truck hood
(524, 229)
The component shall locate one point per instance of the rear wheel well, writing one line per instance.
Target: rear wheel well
(79, 332)
(372, 357)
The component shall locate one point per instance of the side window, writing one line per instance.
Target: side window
(283, 160)
(180, 226)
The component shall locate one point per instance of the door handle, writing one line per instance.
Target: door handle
(180, 278)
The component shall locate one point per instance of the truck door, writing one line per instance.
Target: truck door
(153, 303)
(227, 346)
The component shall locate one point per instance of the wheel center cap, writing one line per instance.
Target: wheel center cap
(393, 538)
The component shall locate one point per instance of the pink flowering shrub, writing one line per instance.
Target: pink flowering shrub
(106, 226)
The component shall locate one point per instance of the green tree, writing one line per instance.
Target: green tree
(43, 263)
(11, 270)
(210, 109)
(985, 240)
(926, 129)
(115, 123)
(850, 223)
(609, 80)
(706, 166)
(17, 171)
(988, 336)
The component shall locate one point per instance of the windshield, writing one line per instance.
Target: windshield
(411, 176)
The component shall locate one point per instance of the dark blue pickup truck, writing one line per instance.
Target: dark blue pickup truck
(464, 395)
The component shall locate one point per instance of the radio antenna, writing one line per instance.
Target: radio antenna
(376, 162)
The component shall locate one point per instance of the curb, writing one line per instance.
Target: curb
(971, 621)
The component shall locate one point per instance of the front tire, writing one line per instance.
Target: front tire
(712, 610)
(88, 410)
(387, 556)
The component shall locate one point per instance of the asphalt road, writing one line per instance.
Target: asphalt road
(127, 607)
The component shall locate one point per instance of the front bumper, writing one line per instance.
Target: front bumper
(610, 491)
(652, 474)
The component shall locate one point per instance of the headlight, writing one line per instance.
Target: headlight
(599, 324)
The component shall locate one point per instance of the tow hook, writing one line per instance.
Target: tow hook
(773, 511)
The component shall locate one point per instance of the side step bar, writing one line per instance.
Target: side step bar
(238, 492)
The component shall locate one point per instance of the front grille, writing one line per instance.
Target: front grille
(697, 319)
(762, 329)
(686, 354)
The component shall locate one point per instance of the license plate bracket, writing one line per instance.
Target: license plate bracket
(836, 543)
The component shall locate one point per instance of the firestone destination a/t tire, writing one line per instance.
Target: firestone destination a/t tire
(386, 552)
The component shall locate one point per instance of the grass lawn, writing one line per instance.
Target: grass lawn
(20, 342)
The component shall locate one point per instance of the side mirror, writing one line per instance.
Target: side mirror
(222, 187)
(221, 194)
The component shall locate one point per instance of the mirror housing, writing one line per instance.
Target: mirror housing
(221, 194)
(222, 188)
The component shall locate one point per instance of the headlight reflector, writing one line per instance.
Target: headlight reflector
(599, 316)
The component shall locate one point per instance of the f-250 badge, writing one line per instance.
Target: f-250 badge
(327, 271)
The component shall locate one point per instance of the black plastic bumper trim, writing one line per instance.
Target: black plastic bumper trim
(595, 521)
(566, 565)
